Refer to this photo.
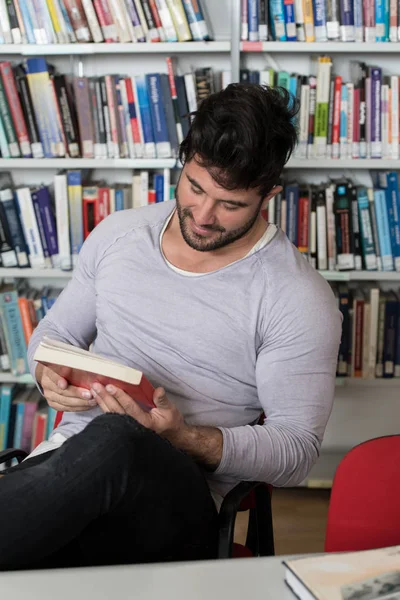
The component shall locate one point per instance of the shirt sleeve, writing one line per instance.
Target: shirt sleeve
(72, 318)
(295, 375)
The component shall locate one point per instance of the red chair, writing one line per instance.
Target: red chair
(364, 509)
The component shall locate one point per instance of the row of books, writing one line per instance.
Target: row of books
(47, 114)
(45, 226)
(370, 343)
(342, 226)
(25, 418)
(320, 20)
(68, 21)
(339, 119)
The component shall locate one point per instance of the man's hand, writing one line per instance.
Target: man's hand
(59, 394)
(204, 444)
(165, 419)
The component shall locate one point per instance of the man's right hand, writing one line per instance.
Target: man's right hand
(59, 394)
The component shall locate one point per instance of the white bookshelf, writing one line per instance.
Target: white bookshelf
(17, 273)
(87, 163)
(322, 47)
(93, 49)
(361, 276)
(343, 163)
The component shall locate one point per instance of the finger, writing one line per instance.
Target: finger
(70, 404)
(59, 383)
(105, 400)
(160, 398)
(130, 406)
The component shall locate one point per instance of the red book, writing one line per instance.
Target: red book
(82, 369)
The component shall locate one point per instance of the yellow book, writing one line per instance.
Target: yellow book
(309, 20)
(54, 18)
(179, 20)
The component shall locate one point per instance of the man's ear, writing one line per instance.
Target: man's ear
(275, 190)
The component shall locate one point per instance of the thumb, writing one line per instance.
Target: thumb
(160, 398)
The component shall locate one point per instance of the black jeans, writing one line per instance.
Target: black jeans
(116, 493)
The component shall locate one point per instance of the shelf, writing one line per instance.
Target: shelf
(342, 163)
(374, 382)
(37, 273)
(137, 48)
(322, 47)
(328, 275)
(361, 275)
(87, 163)
(9, 378)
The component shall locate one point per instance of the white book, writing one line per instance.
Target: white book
(393, 19)
(92, 20)
(118, 9)
(136, 191)
(112, 200)
(5, 23)
(322, 254)
(62, 35)
(330, 225)
(299, 16)
(62, 221)
(144, 188)
(47, 22)
(30, 228)
(368, 115)
(394, 85)
(142, 20)
(126, 5)
(271, 210)
(166, 21)
(303, 121)
(190, 87)
(167, 183)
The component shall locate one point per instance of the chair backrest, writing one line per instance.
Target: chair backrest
(364, 509)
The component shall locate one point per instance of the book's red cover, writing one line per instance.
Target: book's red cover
(142, 393)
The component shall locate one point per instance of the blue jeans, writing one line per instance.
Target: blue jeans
(116, 493)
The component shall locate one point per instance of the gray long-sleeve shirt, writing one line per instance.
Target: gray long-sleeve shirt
(261, 334)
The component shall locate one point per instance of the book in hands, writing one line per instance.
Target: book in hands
(364, 575)
(87, 368)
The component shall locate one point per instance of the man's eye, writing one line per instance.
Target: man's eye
(230, 207)
(196, 191)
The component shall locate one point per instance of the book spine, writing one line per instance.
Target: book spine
(309, 20)
(5, 115)
(144, 108)
(11, 92)
(138, 30)
(93, 23)
(166, 20)
(163, 145)
(157, 20)
(27, 22)
(152, 31)
(112, 111)
(367, 240)
(101, 122)
(358, 21)
(62, 222)
(39, 87)
(78, 20)
(320, 29)
(376, 130)
(75, 213)
(11, 217)
(27, 108)
(30, 228)
(107, 24)
(126, 118)
(383, 230)
(179, 20)
(133, 117)
(85, 121)
(277, 16)
(322, 107)
(369, 22)
(12, 318)
(42, 236)
(122, 137)
(14, 24)
(67, 116)
(347, 33)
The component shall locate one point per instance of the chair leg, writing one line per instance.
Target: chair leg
(260, 533)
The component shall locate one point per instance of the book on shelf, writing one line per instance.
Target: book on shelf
(367, 574)
(46, 114)
(108, 21)
(82, 368)
(339, 119)
(320, 21)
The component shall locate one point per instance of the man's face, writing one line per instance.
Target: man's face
(211, 217)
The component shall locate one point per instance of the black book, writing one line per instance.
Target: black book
(29, 113)
(68, 116)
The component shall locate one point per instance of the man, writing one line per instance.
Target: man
(226, 319)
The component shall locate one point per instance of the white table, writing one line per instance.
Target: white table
(234, 579)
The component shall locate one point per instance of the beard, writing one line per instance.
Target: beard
(222, 237)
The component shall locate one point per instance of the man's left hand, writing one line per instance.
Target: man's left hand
(165, 419)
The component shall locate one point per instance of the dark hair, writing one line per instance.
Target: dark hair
(243, 136)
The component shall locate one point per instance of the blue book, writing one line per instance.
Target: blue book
(347, 33)
(382, 222)
(119, 199)
(51, 417)
(160, 129)
(195, 17)
(13, 330)
(343, 120)
(145, 117)
(40, 224)
(290, 21)
(159, 187)
(253, 20)
(74, 183)
(5, 409)
(389, 183)
(277, 16)
(44, 202)
(380, 21)
(26, 17)
(292, 207)
(19, 420)
(10, 213)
